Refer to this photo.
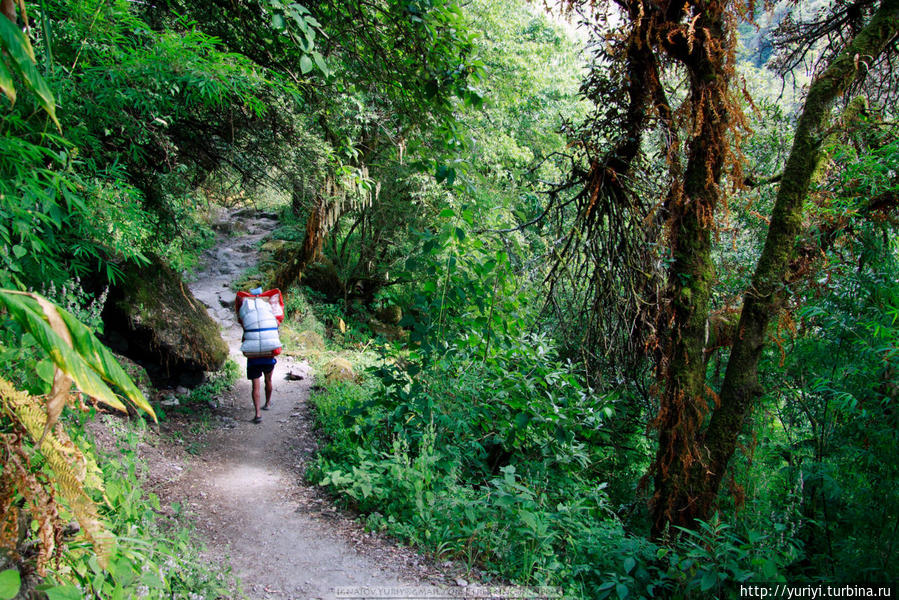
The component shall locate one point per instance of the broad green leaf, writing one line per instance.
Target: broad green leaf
(87, 361)
(522, 419)
(152, 580)
(528, 518)
(305, 64)
(320, 61)
(16, 44)
(709, 580)
(63, 592)
(45, 369)
(607, 585)
(10, 582)
(6, 84)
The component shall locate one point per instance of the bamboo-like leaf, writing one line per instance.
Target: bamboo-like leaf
(62, 383)
(6, 84)
(103, 362)
(87, 361)
(48, 45)
(15, 42)
(22, 54)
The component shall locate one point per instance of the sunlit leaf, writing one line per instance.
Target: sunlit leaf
(320, 61)
(19, 49)
(63, 592)
(6, 84)
(305, 64)
(10, 582)
(86, 361)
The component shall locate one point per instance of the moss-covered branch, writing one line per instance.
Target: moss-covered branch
(765, 296)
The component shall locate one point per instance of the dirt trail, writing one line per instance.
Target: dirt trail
(244, 487)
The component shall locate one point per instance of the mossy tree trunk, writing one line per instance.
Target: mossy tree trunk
(293, 263)
(697, 430)
(691, 207)
(765, 296)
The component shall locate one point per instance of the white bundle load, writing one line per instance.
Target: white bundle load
(260, 328)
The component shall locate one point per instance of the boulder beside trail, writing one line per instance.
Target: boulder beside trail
(391, 332)
(339, 369)
(310, 340)
(159, 320)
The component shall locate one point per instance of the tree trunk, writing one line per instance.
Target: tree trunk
(683, 404)
(8, 8)
(766, 294)
(294, 263)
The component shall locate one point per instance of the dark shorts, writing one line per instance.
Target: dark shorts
(256, 368)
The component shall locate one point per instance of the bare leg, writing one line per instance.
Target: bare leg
(268, 389)
(256, 385)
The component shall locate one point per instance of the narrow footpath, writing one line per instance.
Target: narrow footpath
(244, 487)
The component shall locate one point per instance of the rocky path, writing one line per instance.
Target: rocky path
(244, 488)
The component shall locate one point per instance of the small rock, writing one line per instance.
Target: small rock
(273, 245)
(461, 582)
(169, 401)
(339, 369)
(181, 390)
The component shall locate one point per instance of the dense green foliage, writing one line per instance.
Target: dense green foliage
(155, 556)
(427, 160)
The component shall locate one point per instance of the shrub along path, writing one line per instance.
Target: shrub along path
(244, 486)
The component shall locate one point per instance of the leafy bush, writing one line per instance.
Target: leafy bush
(153, 557)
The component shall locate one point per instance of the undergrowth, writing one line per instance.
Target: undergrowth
(480, 442)
(468, 469)
(155, 554)
(203, 397)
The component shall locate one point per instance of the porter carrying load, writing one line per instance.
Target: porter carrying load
(259, 314)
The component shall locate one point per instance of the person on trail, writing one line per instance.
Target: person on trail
(259, 313)
(256, 368)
